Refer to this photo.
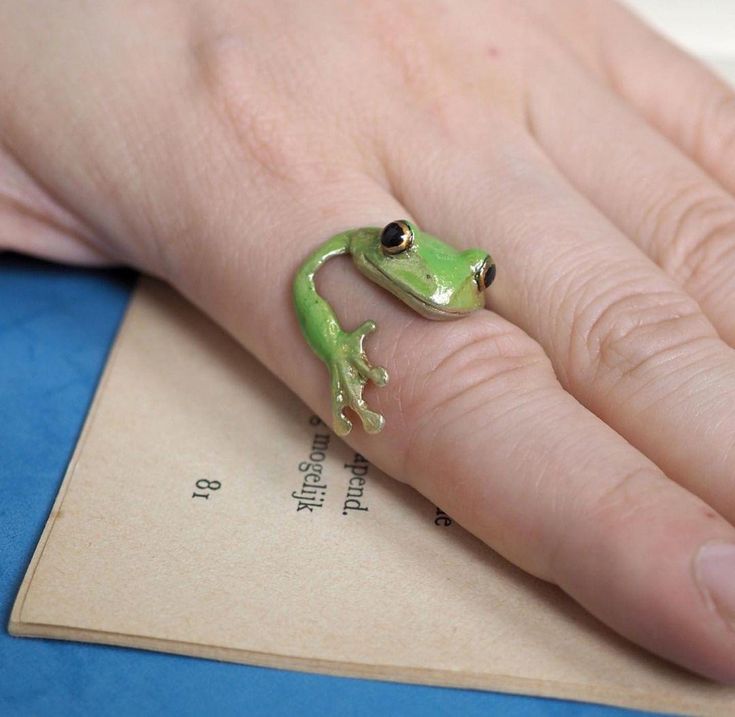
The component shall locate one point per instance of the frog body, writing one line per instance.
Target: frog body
(433, 278)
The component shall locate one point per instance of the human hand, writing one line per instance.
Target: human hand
(584, 427)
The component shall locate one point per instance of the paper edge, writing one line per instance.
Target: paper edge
(507, 684)
(16, 613)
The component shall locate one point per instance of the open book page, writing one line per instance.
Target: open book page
(207, 512)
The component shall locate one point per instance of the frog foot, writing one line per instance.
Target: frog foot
(350, 370)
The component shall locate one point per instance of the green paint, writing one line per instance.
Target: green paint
(428, 275)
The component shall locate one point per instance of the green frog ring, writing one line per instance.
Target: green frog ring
(433, 278)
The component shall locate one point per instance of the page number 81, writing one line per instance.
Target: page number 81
(206, 487)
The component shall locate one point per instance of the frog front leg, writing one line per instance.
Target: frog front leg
(343, 352)
(350, 370)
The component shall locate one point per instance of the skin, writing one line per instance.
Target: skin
(431, 277)
(584, 426)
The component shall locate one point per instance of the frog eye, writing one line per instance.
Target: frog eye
(486, 273)
(396, 237)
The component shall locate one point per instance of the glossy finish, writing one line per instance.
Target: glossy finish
(428, 275)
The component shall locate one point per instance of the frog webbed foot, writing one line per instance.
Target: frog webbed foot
(350, 370)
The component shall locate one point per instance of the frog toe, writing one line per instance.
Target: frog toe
(341, 424)
(378, 375)
(366, 327)
(372, 421)
(353, 381)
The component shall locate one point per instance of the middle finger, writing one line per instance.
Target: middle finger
(624, 338)
(680, 216)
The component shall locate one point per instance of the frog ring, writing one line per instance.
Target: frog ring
(433, 278)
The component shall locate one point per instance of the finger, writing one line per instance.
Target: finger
(477, 421)
(663, 200)
(674, 91)
(28, 235)
(31, 222)
(623, 337)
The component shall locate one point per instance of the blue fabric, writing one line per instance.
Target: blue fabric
(56, 326)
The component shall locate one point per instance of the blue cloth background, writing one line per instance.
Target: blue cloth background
(56, 327)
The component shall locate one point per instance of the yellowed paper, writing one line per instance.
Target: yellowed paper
(207, 512)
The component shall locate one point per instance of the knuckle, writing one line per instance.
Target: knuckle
(412, 60)
(249, 110)
(610, 513)
(710, 253)
(473, 371)
(632, 493)
(630, 328)
(694, 235)
(716, 131)
(706, 247)
(416, 70)
(497, 361)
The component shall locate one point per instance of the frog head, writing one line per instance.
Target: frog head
(433, 278)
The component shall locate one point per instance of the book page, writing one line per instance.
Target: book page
(206, 511)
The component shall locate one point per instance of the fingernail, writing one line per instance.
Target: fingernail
(715, 573)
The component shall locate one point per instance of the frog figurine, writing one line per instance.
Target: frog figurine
(433, 278)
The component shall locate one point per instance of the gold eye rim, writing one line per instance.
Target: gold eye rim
(392, 243)
(486, 274)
